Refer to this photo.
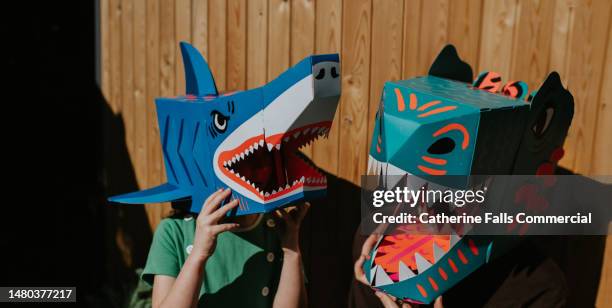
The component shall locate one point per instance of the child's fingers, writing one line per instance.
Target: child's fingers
(215, 201)
(386, 300)
(221, 212)
(204, 207)
(216, 229)
(358, 269)
(438, 303)
(369, 244)
(303, 210)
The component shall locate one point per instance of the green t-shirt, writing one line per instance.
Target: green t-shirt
(243, 271)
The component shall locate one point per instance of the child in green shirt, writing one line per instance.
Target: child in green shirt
(197, 262)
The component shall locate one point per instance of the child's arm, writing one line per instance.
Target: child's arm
(291, 290)
(183, 290)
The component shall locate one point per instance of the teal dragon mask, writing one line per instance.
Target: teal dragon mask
(446, 124)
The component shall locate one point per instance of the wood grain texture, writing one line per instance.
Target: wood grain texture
(155, 172)
(115, 56)
(182, 32)
(412, 34)
(217, 39)
(302, 38)
(434, 32)
(279, 25)
(249, 42)
(386, 61)
(236, 42)
(356, 40)
(199, 25)
(127, 73)
(139, 117)
(602, 145)
(464, 22)
(105, 51)
(328, 35)
(257, 43)
(532, 41)
(498, 23)
(587, 49)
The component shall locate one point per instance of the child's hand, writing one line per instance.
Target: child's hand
(365, 255)
(293, 218)
(207, 225)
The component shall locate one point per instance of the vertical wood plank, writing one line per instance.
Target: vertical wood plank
(356, 43)
(127, 74)
(328, 28)
(302, 29)
(464, 21)
(182, 34)
(155, 174)
(412, 34)
(499, 18)
(236, 42)
(587, 49)
(199, 26)
(279, 15)
(167, 54)
(386, 62)
(564, 17)
(115, 55)
(139, 117)
(434, 32)
(532, 41)
(302, 38)
(257, 43)
(602, 145)
(104, 48)
(217, 39)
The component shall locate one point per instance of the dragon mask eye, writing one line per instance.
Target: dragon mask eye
(543, 122)
(442, 146)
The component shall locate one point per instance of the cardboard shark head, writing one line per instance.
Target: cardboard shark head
(443, 124)
(247, 140)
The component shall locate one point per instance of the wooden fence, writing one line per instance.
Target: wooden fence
(248, 43)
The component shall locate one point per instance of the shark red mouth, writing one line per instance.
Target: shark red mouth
(275, 169)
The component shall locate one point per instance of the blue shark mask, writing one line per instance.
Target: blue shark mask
(247, 140)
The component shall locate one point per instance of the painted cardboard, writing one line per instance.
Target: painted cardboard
(446, 124)
(247, 140)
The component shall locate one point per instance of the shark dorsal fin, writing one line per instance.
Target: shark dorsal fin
(198, 78)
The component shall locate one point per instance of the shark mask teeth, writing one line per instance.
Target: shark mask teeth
(272, 170)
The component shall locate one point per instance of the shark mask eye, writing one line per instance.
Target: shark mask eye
(219, 121)
(543, 122)
(442, 146)
(321, 74)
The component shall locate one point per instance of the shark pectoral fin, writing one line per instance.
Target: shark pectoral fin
(162, 193)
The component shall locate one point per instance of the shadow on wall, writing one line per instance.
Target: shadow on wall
(127, 233)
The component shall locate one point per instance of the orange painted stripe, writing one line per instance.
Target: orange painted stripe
(442, 273)
(427, 105)
(473, 247)
(452, 265)
(422, 290)
(435, 161)
(455, 126)
(413, 101)
(400, 100)
(462, 257)
(431, 171)
(433, 283)
(436, 111)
